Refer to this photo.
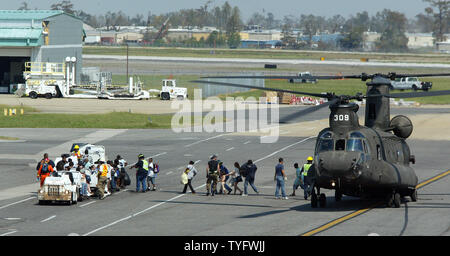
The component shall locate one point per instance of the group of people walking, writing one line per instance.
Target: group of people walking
(218, 178)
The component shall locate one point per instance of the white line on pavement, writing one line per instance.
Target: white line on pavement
(169, 173)
(230, 149)
(18, 202)
(247, 142)
(200, 141)
(86, 204)
(179, 196)
(278, 151)
(49, 218)
(9, 233)
(160, 154)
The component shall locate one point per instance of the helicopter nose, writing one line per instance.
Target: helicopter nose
(339, 163)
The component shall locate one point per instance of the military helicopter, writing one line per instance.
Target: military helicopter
(371, 160)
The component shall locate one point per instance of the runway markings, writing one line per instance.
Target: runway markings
(200, 141)
(179, 196)
(361, 211)
(49, 218)
(160, 154)
(230, 149)
(86, 204)
(245, 143)
(12, 218)
(440, 176)
(18, 202)
(283, 149)
(9, 233)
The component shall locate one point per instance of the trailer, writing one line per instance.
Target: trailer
(57, 80)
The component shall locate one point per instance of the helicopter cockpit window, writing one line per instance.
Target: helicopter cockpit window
(355, 145)
(326, 142)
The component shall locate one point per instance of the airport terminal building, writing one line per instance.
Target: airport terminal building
(36, 36)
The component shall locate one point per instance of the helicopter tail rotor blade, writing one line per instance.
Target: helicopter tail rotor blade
(289, 118)
(320, 95)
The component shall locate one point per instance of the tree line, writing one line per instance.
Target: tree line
(392, 25)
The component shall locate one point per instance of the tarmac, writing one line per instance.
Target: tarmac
(168, 212)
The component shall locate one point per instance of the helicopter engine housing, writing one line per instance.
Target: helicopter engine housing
(402, 126)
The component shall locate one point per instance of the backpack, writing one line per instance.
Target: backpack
(126, 179)
(243, 171)
(44, 168)
(156, 170)
(184, 178)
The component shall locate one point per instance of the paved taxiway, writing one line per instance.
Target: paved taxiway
(167, 212)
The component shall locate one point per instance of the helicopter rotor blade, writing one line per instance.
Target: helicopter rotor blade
(307, 111)
(363, 76)
(285, 77)
(419, 94)
(421, 75)
(320, 95)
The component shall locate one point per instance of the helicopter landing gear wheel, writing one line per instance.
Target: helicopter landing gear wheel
(322, 200)
(338, 195)
(397, 200)
(414, 195)
(314, 200)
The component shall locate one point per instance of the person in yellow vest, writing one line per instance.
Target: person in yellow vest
(305, 178)
(141, 173)
(102, 179)
(76, 152)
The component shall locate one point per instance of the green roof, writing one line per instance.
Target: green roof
(20, 36)
(28, 14)
(26, 35)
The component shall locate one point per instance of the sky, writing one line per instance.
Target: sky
(279, 8)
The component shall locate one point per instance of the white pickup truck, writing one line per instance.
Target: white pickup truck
(410, 83)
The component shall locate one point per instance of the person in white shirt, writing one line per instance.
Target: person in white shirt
(236, 178)
(151, 178)
(121, 163)
(192, 172)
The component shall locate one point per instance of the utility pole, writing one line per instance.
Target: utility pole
(127, 63)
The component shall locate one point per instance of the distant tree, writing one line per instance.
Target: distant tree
(225, 15)
(393, 37)
(353, 39)
(424, 23)
(256, 19)
(24, 6)
(65, 6)
(216, 39)
(441, 18)
(287, 37)
(233, 28)
(335, 24)
(311, 25)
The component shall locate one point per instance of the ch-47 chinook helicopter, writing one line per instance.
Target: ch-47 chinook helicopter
(363, 161)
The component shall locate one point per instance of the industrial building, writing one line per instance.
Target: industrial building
(36, 36)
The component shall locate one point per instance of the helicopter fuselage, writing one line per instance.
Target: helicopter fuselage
(363, 161)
